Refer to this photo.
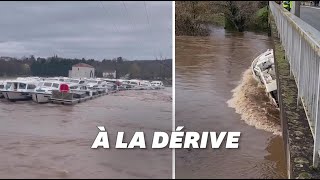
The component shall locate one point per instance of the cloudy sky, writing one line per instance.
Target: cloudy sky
(84, 29)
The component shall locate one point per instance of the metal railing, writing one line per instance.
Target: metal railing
(301, 43)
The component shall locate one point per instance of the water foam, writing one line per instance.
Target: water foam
(250, 100)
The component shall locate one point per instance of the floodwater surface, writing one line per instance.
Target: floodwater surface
(215, 91)
(54, 141)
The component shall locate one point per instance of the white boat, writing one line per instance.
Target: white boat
(98, 84)
(2, 85)
(21, 89)
(77, 81)
(43, 92)
(134, 82)
(263, 69)
(144, 85)
(82, 89)
(157, 84)
(61, 79)
(125, 84)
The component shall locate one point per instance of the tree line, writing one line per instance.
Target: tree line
(193, 17)
(58, 66)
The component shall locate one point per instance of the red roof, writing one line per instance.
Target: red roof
(82, 65)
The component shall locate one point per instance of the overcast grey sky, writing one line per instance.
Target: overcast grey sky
(86, 29)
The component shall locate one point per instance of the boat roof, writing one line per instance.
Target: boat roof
(24, 81)
(53, 81)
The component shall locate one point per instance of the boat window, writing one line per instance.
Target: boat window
(55, 85)
(81, 82)
(1, 86)
(73, 87)
(83, 88)
(22, 86)
(8, 85)
(47, 84)
(31, 86)
(93, 81)
(75, 81)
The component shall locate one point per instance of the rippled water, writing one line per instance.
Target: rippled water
(54, 141)
(213, 93)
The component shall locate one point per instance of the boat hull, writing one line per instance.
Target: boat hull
(41, 97)
(158, 87)
(17, 96)
(263, 71)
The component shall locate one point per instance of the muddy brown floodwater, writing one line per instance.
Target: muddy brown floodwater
(216, 92)
(54, 141)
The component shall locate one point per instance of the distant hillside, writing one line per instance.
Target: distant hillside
(58, 66)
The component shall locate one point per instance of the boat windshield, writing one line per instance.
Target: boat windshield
(55, 85)
(83, 88)
(41, 83)
(74, 87)
(75, 81)
(47, 84)
(22, 86)
(31, 86)
(93, 82)
(8, 85)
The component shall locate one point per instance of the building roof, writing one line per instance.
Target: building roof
(82, 65)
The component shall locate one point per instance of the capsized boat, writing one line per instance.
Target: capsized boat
(263, 69)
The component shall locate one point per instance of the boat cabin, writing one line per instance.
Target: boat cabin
(157, 83)
(21, 86)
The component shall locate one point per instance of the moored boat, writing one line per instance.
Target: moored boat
(2, 85)
(18, 90)
(43, 92)
(157, 85)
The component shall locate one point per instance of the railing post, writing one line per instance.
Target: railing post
(296, 8)
(317, 127)
(299, 67)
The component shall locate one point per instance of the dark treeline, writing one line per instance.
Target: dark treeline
(58, 66)
(194, 17)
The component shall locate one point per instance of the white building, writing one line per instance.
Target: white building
(82, 70)
(109, 74)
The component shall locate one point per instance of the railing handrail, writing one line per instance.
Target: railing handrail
(311, 34)
(301, 43)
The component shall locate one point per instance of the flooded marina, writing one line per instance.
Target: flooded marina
(213, 93)
(54, 141)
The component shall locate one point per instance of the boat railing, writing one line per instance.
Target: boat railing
(301, 43)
